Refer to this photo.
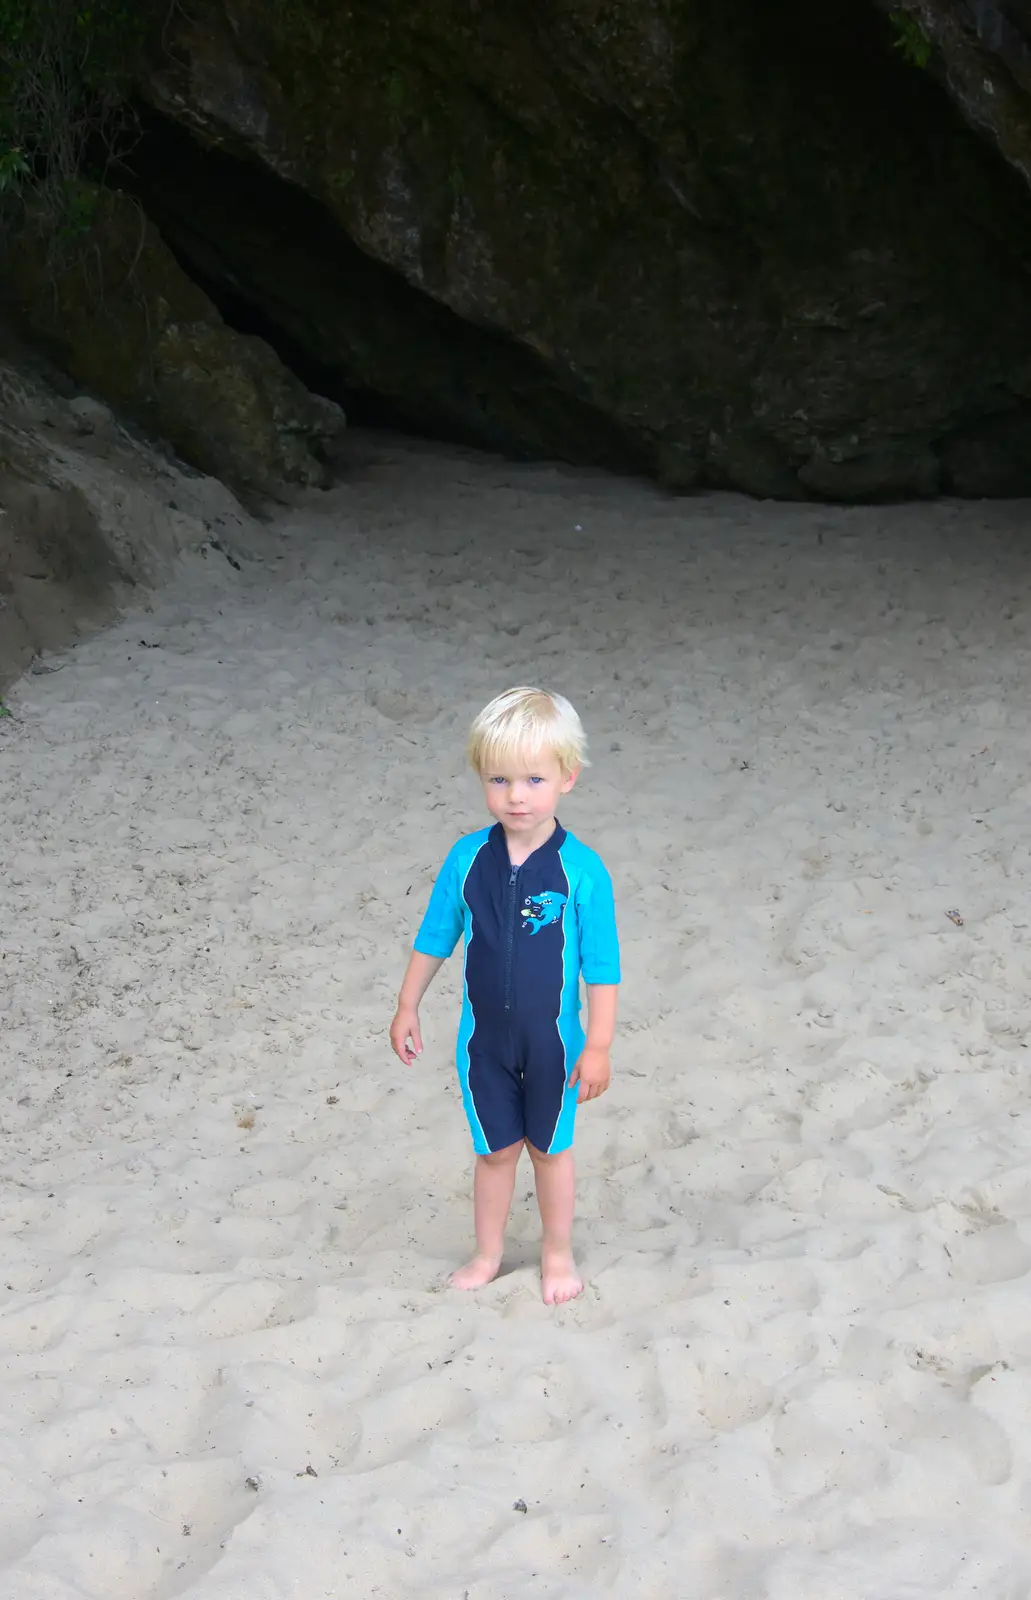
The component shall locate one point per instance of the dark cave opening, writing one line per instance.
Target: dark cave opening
(364, 407)
(277, 265)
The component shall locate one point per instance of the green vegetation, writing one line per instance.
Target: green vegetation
(64, 69)
(910, 39)
(14, 168)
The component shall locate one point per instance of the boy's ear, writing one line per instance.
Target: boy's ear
(567, 783)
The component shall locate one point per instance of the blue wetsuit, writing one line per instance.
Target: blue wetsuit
(531, 932)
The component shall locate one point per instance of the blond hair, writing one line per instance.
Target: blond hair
(527, 722)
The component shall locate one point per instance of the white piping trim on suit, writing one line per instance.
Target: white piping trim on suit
(562, 995)
(467, 1006)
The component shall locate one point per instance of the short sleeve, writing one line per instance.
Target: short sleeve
(599, 940)
(442, 925)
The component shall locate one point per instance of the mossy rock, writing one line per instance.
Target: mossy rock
(116, 310)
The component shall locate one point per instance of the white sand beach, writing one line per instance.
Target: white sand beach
(229, 1365)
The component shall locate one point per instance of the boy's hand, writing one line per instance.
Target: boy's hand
(592, 1072)
(405, 1036)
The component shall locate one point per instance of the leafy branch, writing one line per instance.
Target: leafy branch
(910, 39)
(65, 70)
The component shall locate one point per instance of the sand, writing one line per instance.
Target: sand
(801, 1370)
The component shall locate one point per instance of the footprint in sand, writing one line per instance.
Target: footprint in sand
(40, 1325)
(992, 1255)
(402, 705)
(962, 1439)
(404, 1420)
(276, 1197)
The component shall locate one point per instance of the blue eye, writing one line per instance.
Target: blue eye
(536, 780)
(499, 780)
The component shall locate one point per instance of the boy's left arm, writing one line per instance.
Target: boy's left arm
(599, 957)
(593, 1070)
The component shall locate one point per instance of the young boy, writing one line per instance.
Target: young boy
(536, 908)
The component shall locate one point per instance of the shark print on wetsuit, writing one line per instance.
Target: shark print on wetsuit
(542, 910)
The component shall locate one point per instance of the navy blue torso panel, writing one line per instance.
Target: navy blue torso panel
(514, 966)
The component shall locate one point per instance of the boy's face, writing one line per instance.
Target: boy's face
(524, 795)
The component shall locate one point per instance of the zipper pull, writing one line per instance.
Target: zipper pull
(514, 876)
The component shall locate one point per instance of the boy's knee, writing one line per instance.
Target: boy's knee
(504, 1158)
(542, 1158)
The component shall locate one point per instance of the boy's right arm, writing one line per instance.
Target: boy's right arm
(440, 931)
(405, 1033)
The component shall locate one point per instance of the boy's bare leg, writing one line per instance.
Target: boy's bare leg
(493, 1183)
(556, 1197)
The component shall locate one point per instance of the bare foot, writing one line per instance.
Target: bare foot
(477, 1272)
(560, 1280)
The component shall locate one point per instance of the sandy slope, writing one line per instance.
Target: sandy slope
(802, 1369)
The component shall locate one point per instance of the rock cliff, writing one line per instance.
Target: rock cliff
(730, 243)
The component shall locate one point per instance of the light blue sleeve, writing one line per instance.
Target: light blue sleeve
(599, 940)
(445, 916)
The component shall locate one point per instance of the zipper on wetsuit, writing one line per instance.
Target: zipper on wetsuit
(510, 920)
